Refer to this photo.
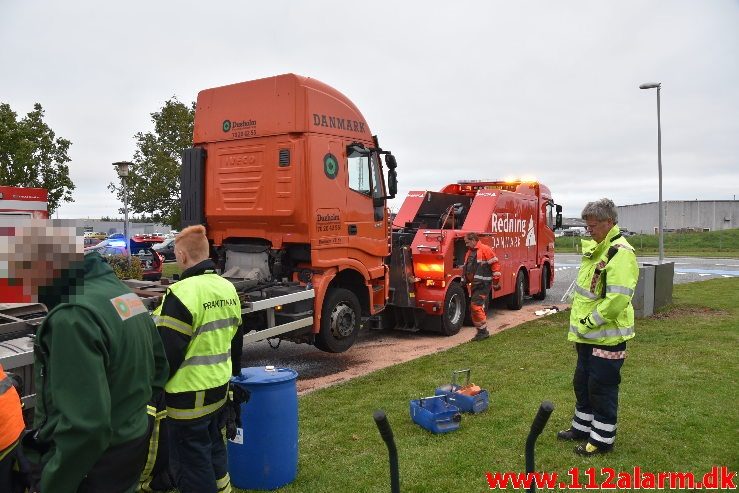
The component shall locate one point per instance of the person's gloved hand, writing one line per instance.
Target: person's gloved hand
(496, 285)
(239, 396)
(587, 322)
(230, 421)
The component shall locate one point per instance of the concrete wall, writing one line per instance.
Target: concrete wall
(713, 215)
(111, 227)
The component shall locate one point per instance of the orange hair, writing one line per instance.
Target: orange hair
(192, 240)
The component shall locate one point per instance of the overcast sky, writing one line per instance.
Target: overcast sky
(457, 90)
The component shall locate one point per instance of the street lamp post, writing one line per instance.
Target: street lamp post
(122, 168)
(660, 235)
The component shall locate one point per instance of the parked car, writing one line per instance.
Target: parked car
(165, 249)
(98, 235)
(141, 247)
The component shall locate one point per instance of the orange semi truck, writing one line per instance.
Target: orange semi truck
(290, 184)
(516, 218)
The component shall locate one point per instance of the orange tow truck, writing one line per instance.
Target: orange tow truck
(516, 218)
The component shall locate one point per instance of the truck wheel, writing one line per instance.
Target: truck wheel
(544, 278)
(340, 321)
(516, 298)
(455, 307)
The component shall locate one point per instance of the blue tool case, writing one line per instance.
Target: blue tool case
(435, 414)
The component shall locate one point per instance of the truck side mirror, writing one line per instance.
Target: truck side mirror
(392, 182)
(558, 223)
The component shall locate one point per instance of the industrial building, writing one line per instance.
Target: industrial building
(680, 215)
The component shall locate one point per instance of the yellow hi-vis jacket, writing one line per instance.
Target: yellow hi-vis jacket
(602, 313)
(197, 319)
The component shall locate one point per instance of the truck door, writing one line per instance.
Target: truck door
(531, 218)
(366, 216)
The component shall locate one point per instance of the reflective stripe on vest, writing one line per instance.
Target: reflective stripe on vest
(620, 290)
(218, 324)
(206, 360)
(174, 324)
(197, 412)
(580, 290)
(599, 334)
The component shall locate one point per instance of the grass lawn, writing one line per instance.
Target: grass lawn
(723, 243)
(678, 409)
(170, 268)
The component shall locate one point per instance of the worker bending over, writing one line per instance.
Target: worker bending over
(481, 268)
(197, 320)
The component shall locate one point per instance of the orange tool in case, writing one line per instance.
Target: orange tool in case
(469, 398)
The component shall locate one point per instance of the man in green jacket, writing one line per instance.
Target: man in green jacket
(98, 359)
(601, 321)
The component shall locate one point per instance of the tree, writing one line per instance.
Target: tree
(153, 181)
(32, 156)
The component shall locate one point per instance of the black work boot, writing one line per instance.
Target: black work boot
(572, 434)
(482, 334)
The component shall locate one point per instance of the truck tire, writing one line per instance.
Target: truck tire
(341, 319)
(544, 278)
(455, 307)
(516, 298)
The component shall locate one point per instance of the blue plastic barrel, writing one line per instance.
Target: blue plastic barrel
(264, 454)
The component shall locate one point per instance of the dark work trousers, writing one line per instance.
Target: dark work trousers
(198, 454)
(596, 384)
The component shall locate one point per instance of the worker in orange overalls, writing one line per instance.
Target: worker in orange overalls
(11, 429)
(481, 268)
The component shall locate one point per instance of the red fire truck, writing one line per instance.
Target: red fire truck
(516, 218)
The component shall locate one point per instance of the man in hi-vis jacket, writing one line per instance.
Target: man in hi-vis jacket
(601, 321)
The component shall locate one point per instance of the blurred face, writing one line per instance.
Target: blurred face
(470, 243)
(39, 251)
(598, 229)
